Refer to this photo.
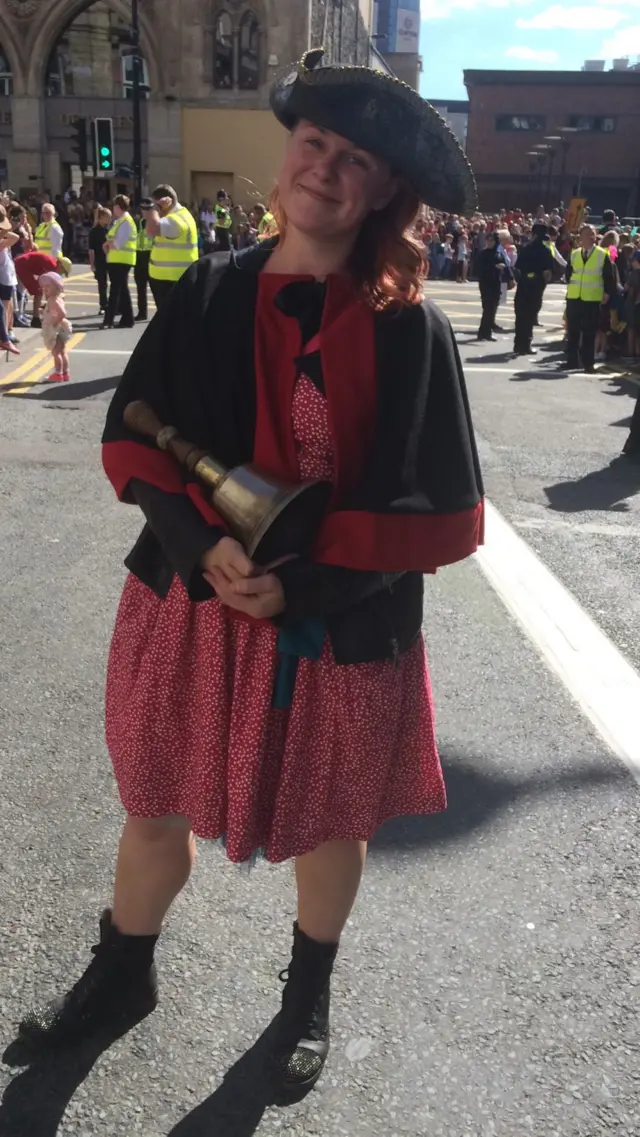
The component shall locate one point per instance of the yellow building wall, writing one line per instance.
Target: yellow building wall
(237, 150)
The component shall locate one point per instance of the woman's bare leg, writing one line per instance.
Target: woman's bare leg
(328, 880)
(155, 858)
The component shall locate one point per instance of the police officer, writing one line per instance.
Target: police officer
(141, 270)
(534, 270)
(223, 222)
(592, 281)
(175, 240)
(120, 247)
(267, 224)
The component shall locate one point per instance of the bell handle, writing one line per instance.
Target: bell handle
(141, 418)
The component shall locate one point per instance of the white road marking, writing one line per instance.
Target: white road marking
(603, 683)
(96, 351)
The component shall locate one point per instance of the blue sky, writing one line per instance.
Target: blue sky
(520, 35)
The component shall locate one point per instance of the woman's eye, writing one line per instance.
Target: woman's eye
(314, 142)
(357, 160)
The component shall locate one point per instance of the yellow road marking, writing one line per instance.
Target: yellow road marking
(40, 369)
(26, 365)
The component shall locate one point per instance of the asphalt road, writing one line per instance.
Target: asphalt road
(488, 981)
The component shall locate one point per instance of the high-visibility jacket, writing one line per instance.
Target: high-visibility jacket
(223, 217)
(145, 242)
(43, 236)
(267, 226)
(127, 254)
(171, 257)
(587, 282)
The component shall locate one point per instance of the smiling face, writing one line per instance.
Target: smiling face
(328, 186)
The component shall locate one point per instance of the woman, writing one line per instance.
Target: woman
(8, 282)
(98, 256)
(288, 710)
(492, 269)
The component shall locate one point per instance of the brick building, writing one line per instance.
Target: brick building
(512, 112)
(208, 68)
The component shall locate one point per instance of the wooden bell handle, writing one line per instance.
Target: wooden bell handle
(140, 417)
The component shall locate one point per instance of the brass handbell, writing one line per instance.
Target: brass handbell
(269, 518)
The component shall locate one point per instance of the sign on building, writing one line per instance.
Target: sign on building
(408, 30)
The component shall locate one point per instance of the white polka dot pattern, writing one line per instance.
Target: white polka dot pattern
(191, 730)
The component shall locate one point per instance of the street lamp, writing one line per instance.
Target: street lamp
(567, 133)
(551, 139)
(135, 91)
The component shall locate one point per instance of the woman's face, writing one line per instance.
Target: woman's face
(328, 186)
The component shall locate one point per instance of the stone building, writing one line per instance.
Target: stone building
(208, 67)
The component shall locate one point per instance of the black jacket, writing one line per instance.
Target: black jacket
(370, 615)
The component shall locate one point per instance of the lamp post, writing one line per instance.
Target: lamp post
(551, 139)
(135, 91)
(545, 150)
(534, 168)
(567, 133)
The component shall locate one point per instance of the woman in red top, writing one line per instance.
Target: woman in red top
(288, 712)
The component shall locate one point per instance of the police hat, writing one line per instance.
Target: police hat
(385, 116)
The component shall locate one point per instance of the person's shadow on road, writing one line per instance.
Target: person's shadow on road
(605, 489)
(35, 1100)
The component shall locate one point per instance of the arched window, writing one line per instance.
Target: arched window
(6, 81)
(249, 53)
(223, 49)
(90, 58)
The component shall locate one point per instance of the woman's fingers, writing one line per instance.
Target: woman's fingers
(256, 586)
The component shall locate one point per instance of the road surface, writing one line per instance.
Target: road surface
(488, 981)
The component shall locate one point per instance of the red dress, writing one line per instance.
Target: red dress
(191, 729)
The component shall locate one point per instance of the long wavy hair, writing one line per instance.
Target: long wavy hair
(387, 264)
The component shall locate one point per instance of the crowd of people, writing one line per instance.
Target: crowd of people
(454, 248)
(159, 239)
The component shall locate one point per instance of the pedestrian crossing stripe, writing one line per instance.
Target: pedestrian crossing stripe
(34, 370)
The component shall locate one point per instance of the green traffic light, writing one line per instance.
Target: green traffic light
(105, 165)
(104, 150)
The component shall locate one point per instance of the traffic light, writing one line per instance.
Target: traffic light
(105, 160)
(79, 141)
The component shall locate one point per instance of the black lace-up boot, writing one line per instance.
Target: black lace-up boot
(119, 985)
(302, 1027)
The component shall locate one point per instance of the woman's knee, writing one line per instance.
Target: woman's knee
(169, 830)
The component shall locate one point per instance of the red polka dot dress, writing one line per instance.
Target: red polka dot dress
(191, 728)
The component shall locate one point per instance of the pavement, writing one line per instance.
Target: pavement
(488, 980)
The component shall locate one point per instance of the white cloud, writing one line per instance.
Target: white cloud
(624, 42)
(441, 9)
(573, 19)
(532, 55)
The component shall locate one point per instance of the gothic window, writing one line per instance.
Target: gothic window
(223, 58)
(6, 82)
(249, 53)
(90, 57)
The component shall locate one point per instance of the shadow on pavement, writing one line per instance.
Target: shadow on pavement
(475, 798)
(525, 376)
(235, 1109)
(601, 489)
(70, 392)
(35, 1100)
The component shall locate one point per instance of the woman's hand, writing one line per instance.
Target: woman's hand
(229, 560)
(259, 596)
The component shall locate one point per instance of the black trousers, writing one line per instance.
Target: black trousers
(160, 289)
(526, 306)
(141, 277)
(100, 272)
(119, 297)
(582, 325)
(490, 297)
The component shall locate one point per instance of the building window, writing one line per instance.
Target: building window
(593, 123)
(531, 122)
(6, 81)
(223, 58)
(88, 60)
(249, 53)
(127, 77)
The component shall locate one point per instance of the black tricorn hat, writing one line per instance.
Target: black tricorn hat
(380, 113)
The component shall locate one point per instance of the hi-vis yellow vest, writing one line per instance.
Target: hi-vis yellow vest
(145, 242)
(171, 257)
(267, 226)
(586, 279)
(127, 254)
(43, 237)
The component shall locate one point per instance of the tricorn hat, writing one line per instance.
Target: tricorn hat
(380, 113)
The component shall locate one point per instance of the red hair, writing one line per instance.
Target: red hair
(386, 263)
